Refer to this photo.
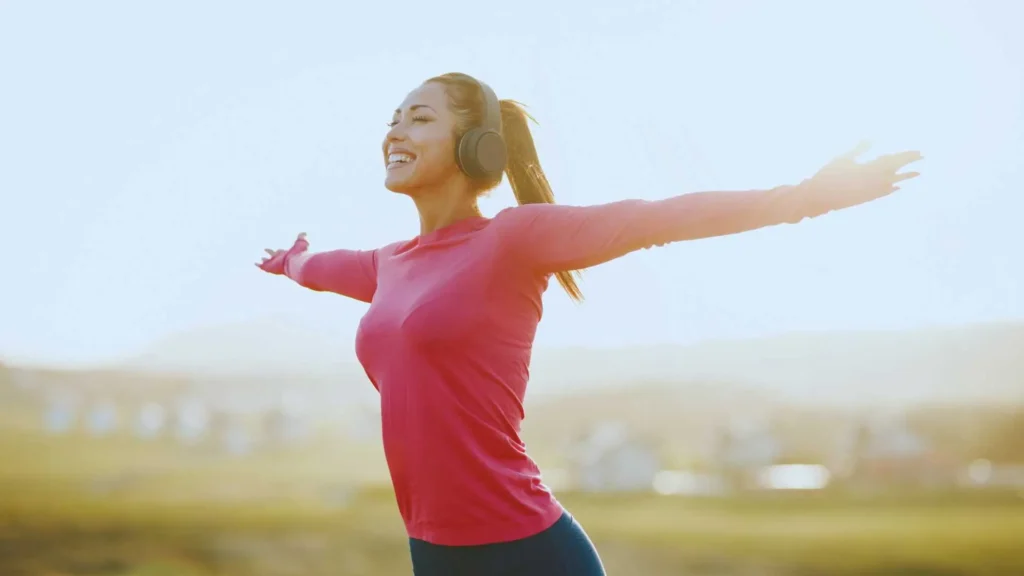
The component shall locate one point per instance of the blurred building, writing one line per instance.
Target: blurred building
(287, 422)
(151, 420)
(611, 459)
(742, 450)
(103, 418)
(60, 415)
(191, 420)
(885, 453)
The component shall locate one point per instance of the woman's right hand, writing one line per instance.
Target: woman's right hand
(275, 260)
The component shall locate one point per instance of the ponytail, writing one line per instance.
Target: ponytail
(525, 176)
(528, 182)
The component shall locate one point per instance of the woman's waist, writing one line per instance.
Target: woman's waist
(466, 510)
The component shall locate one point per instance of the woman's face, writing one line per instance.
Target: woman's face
(419, 150)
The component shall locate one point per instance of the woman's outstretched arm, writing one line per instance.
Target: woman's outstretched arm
(351, 273)
(554, 238)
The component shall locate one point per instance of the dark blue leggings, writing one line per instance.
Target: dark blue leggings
(564, 549)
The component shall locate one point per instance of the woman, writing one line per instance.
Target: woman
(453, 312)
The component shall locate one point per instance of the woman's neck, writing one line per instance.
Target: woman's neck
(440, 210)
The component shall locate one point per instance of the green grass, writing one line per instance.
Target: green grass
(664, 535)
(123, 508)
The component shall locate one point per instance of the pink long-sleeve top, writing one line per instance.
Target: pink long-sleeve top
(448, 335)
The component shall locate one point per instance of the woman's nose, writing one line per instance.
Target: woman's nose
(396, 132)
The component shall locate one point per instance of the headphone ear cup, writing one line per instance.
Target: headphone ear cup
(465, 153)
(481, 153)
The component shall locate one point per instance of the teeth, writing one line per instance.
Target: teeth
(399, 158)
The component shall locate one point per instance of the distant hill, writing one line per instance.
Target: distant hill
(265, 349)
(976, 363)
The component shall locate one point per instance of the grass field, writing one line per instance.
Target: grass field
(46, 531)
(120, 508)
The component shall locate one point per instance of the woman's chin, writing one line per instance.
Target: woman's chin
(396, 183)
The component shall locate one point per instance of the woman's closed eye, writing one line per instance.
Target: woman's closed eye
(415, 119)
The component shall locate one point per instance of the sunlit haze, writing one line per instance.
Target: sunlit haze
(150, 152)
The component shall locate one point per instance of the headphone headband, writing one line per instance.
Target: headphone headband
(492, 108)
(481, 152)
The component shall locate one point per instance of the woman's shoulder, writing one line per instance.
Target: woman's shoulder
(522, 215)
(389, 250)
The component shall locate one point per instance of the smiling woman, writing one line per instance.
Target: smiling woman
(448, 336)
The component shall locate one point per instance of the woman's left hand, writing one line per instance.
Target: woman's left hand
(844, 182)
(275, 260)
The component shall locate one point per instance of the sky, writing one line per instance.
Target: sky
(149, 152)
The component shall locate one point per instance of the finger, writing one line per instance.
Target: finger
(900, 159)
(302, 236)
(856, 151)
(905, 176)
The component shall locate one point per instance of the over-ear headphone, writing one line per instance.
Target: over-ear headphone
(481, 152)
